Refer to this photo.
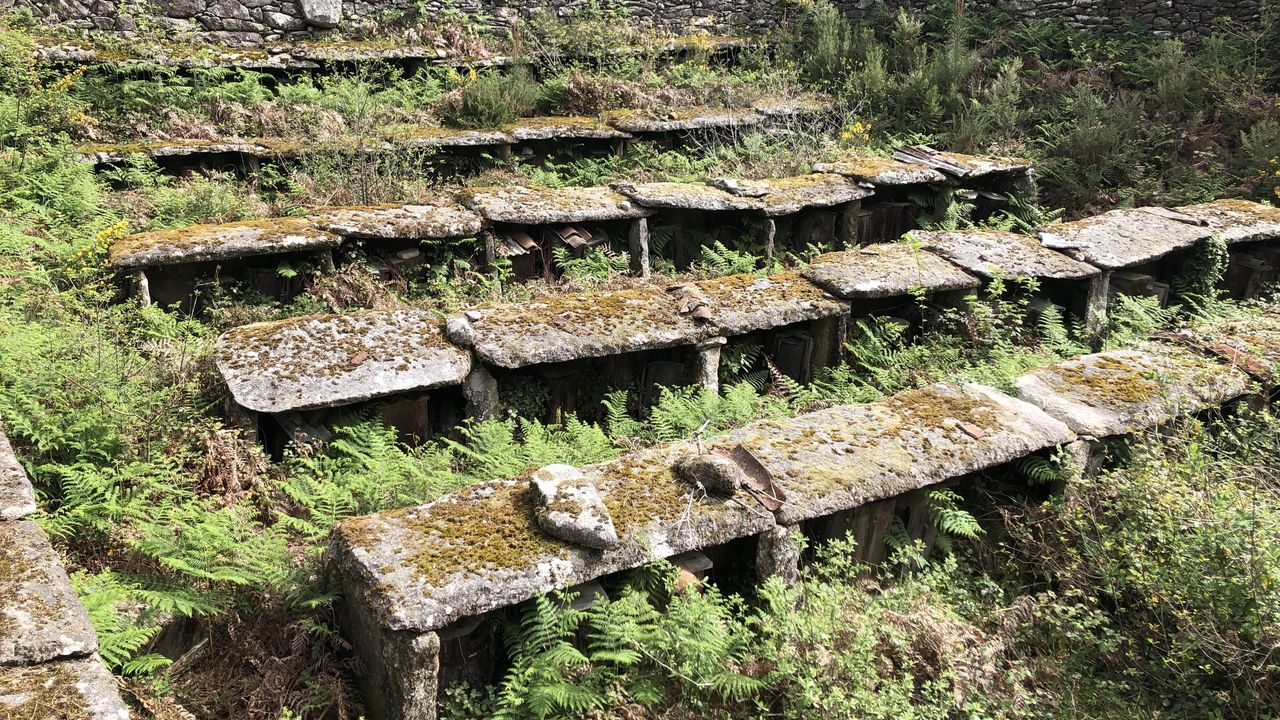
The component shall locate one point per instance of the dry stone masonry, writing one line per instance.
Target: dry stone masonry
(48, 665)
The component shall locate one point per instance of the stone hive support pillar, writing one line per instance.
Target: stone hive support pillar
(490, 251)
(769, 237)
(708, 364)
(849, 224)
(778, 554)
(400, 669)
(481, 391)
(1095, 309)
(829, 334)
(141, 288)
(638, 247)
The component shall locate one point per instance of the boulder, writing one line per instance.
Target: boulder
(322, 13)
(716, 473)
(569, 507)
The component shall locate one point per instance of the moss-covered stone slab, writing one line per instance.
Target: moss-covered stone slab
(524, 205)
(17, 498)
(1248, 340)
(687, 196)
(40, 617)
(847, 456)
(571, 327)
(1237, 221)
(960, 164)
(437, 220)
(1123, 238)
(741, 304)
(774, 106)
(81, 689)
(883, 171)
(886, 270)
(1123, 391)
(480, 549)
(684, 119)
(105, 153)
(331, 360)
(789, 195)
(994, 253)
(206, 243)
(568, 127)
(427, 137)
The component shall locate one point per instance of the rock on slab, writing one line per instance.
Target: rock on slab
(569, 507)
(40, 617)
(717, 473)
(80, 689)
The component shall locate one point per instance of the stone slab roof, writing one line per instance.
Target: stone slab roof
(571, 327)
(423, 137)
(784, 107)
(1237, 220)
(103, 153)
(563, 128)
(1123, 391)
(687, 196)
(17, 498)
(204, 243)
(330, 360)
(846, 456)
(442, 219)
(1249, 341)
(785, 196)
(742, 304)
(521, 205)
(885, 270)
(961, 165)
(80, 689)
(480, 549)
(993, 253)
(692, 118)
(40, 616)
(1123, 238)
(881, 171)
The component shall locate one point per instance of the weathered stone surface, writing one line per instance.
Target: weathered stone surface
(786, 196)
(563, 128)
(426, 137)
(40, 617)
(694, 118)
(778, 554)
(1002, 254)
(568, 507)
(329, 360)
(1237, 220)
(1122, 238)
(1123, 391)
(442, 219)
(80, 689)
(204, 243)
(885, 270)
(687, 196)
(1249, 341)
(716, 473)
(961, 165)
(521, 205)
(741, 304)
(17, 498)
(882, 171)
(847, 456)
(322, 13)
(790, 107)
(571, 327)
(481, 549)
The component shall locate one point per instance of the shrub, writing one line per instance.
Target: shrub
(492, 99)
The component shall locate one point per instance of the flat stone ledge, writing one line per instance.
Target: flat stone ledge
(847, 456)
(1237, 221)
(1124, 238)
(1002, 254)
(786, 196)
(961, 165)
(414, 137)
(792, 107)
(741, 304)
(1250, 342)
(572, 327)
(882, 171)
(81, 689)
(17, 497)
(107, 153)
(684, 119)
(205, 243)
(40, 617)
(439, 220)
(567, 127)
(885, 270)
(481, 549)
(687, 196)
(521, 205)
(1122, 391)
(331, 360)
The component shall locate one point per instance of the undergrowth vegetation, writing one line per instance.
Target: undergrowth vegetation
(171, 522)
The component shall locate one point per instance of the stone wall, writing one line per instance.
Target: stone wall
(256, 21)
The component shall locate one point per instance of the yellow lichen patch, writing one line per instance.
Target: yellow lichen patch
(1104, 381)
